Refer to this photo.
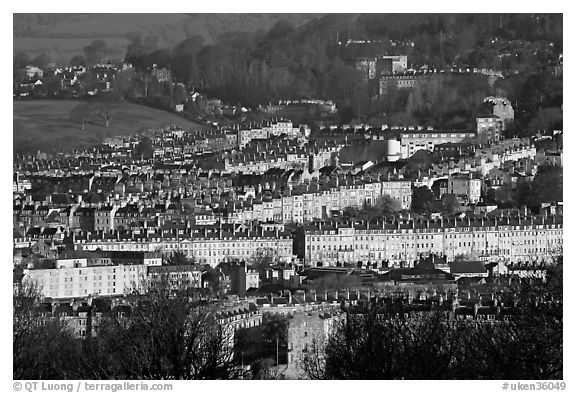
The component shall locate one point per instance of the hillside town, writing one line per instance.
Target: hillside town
(283, 227)
(269, 210)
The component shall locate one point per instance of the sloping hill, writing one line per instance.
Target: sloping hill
(92, 25)
(46, 124)
(64, 35)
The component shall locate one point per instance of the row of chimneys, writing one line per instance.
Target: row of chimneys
(410, 221)
(189, 231)
(409, 296)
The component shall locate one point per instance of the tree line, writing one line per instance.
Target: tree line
(378, 343)
(290, 62)
(162, 332)
(255, 68)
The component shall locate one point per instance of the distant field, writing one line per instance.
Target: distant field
(46, 124)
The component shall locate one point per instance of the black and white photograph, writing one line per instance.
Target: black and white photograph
(287, 196)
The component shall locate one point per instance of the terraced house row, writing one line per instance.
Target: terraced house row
(300, 203)
(209, 245)
(307, 202)
(395, 243)
(311, 205)
(97, 275)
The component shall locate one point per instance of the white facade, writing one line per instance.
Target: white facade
(268, 130)
(489, 242)
(178, 276)
(463, 185)
(310, 205)
(411, 142)
(84, 281)
(393, 150)
(252, 279)
(211, 251)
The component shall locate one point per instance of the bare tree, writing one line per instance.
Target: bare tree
(179, 258)
(262, 259)
(106, 112)
(395, 343)
(43, 345)
(312, 363)
(165, 334)
(107, 105)
(369, 345)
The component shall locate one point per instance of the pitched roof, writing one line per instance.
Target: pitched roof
(467, 267)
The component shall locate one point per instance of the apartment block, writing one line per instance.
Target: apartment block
(395, 243)
(412, 141)
(75, 282)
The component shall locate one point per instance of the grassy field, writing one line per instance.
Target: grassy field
(46, 124)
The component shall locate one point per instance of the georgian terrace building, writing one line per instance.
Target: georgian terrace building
(399, 242)
(299, 204)
(269, 129)
(413, 140)
(356, 195)
(83, 281)
(309, 202)
(207, 245)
